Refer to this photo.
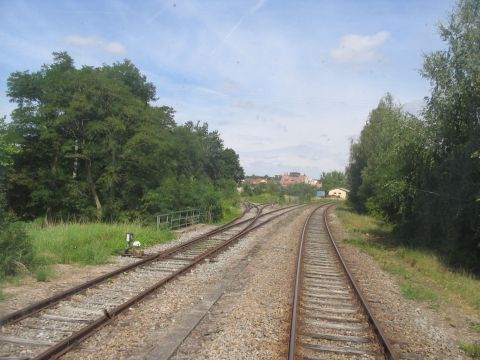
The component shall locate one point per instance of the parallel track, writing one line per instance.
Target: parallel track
(330, 318)
(51, 327)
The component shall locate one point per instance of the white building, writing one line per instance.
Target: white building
(339, 192)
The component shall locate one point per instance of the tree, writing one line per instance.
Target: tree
(333, 179)
(424, 176)
(91, 144)
(453, 113)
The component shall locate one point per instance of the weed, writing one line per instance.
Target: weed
(43, 273)
(471, 349)
(3, 296)
(357, 242)
(475, 326)
(17, 250)
(396, 269)
(415, 292)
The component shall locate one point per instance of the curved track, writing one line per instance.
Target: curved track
(51, 327)
(330, 318)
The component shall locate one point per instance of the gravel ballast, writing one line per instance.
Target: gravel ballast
(249, 320)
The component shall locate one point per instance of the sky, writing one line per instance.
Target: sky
(288, 84)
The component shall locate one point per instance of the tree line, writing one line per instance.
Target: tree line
(89, 142)
(423, 174)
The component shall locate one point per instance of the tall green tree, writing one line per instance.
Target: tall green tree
(91, 143)
(424, 175)
(453, 113)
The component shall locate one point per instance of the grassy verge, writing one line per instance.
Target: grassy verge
(421, 274)
(472, 350)
(86, 244)
(266, 199)
(231, 209)
(81, 244)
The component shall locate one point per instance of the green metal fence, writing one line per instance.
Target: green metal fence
(178, 219)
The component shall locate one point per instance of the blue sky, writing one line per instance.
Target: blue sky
(287, 84)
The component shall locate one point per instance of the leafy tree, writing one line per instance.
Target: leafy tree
(424, 176)
(304, 192)
(14, 242)
(91, 144)
(452, 113)
(333, 179)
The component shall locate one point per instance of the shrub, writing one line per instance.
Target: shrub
(17, 250)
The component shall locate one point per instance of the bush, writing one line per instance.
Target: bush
(17, 250)
(185, 193)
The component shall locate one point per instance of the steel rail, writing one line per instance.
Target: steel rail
(385, 344)
(298, 276)
(52, 300)
(387, 347)
(65, 345)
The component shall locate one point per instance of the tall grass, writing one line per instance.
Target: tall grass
(90, 243)
(422, 275)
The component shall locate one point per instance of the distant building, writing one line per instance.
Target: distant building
(339, 192)
(255, 180)
(297, 178)
(292, 179)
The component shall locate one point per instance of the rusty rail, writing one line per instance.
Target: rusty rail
(45, 303)
(387, 347)
(66, 344)
(375, 326)
(77, 337)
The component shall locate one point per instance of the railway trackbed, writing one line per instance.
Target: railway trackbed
(330, 318)
(53, 326)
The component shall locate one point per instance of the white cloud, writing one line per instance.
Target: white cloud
(358, 48)
(112, 47)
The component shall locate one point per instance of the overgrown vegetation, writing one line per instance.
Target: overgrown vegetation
(35, 248)
(90, 243)
(471, 349)
(423, 175)
(16, 252)
(422, 275)
(275, 193)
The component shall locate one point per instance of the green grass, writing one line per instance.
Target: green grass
(90, 243)
(231, 209)
(2, 295)
(422, 276)
(266, 199)
(43, 273)
(416, 292)
(472, 350)
(476, 327)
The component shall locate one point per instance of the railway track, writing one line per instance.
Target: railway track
(330, 318)
(51, 327)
